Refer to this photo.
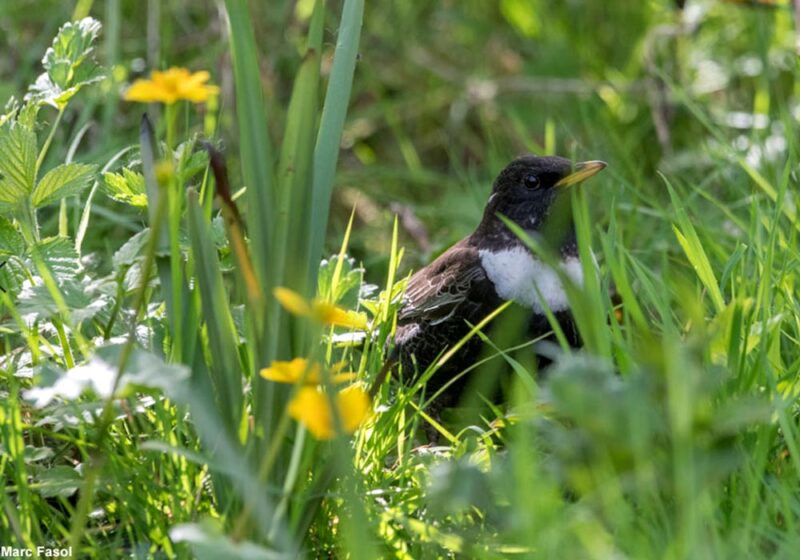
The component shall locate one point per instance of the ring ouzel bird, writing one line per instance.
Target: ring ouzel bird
(492, 265)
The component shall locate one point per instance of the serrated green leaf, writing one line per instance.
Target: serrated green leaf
(194, 164)
(127, 254)
(58, 253)
(67, 68)
(144, 372)
(74, 42)
(11, 242)
(127, 187)
(17, 164)
(64, 180)
(81, 299)
(44, 90)
(27, 115)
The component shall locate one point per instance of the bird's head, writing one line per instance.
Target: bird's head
(526, 190)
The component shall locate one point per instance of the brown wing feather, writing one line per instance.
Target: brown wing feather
(435, 292)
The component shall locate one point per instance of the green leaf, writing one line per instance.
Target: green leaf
(188, 162)
(208, 542)
(522, 16)
(43, 90)
(334, 111)
(74, 42)
(61, 481)
(58, 253)
(66, 66)
(257, 153)
(11, 242)
(127, 187)
(64, 180)
(223, 340)
(81, 299)
(129, 252)
(693, 247)
(347, 286)
(144, 372)
(17, 164)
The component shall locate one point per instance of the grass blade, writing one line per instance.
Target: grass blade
(326, 153)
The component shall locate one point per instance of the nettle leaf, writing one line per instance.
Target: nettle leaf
(127, 187)
(17, 164)
(64, 180)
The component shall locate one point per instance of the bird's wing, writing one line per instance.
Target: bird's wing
(435, 292)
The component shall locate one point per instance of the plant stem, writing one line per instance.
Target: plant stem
(48, 141)
(81, 514)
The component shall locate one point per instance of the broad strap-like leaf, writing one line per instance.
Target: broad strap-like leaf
(17, 163)
(64, 180)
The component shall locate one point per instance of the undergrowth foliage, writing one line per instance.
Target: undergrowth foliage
(201, 389)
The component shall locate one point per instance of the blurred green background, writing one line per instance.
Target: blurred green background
(447, 92)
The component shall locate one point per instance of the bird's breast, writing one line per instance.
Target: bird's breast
(519, 276)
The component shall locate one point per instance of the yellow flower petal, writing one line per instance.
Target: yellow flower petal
(329, 314)
(292, 371)
(293, 302)
(339, 378)
(311, 407)
(354, 407)
(171, 85)
(147, 91)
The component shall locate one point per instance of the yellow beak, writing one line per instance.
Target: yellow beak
(583, 171)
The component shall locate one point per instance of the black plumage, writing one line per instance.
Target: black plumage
(456, 290)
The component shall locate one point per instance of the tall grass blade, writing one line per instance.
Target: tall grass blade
(254, 142)
(225, 367)
(693, 247)
(326, 152)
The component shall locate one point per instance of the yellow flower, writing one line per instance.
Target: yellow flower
(292, 372)
(292, 301)
(171, 85)
(312, 408)
(319, 310)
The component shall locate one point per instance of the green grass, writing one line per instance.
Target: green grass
(673, 434)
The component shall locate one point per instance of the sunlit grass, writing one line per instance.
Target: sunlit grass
(240, 426)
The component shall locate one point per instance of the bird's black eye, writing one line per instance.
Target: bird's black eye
(531, 181)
